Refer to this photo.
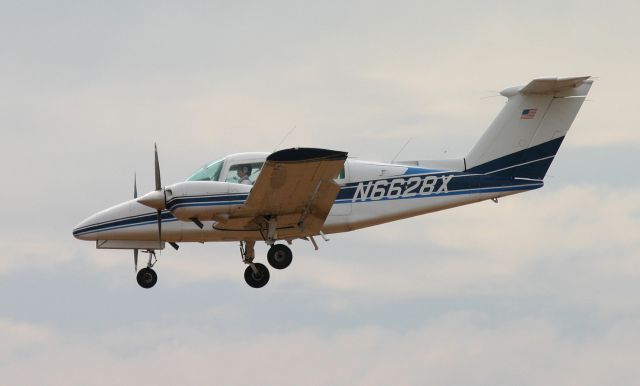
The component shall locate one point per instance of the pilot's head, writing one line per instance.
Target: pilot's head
(244, 170)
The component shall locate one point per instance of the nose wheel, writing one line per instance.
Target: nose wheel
(147, 277)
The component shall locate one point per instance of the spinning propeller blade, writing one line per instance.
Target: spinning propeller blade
(135, 195)
(158, 188)
(157, 168)
(156, 199)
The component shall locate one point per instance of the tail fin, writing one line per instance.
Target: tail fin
(525, 137)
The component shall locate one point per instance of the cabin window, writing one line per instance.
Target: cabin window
(244, 173)
(341, 175)
(210, 172)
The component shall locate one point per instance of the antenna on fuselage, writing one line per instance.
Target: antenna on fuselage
(401, 149)
(285, 137)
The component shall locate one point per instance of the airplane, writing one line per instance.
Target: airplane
(304, 193)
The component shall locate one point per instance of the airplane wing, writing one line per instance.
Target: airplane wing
(295, 188)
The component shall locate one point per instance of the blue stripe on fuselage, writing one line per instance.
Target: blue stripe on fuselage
(124, 222)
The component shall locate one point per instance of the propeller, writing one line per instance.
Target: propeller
(158, 189)
(135, 250)
(157, 198)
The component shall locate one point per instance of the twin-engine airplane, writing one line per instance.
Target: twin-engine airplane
(301, 193)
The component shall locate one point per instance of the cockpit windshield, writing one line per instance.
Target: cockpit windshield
(210, 172)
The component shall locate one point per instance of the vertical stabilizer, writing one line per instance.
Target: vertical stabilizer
(525, 137)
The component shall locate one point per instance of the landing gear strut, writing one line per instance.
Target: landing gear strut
(256, 274)
(147, 277)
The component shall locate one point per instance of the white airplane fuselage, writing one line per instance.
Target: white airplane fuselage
(370, 194)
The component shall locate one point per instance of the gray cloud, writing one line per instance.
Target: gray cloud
(526, 351)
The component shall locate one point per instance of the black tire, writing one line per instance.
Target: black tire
(279, 256)
(258, 280)
(147, 278)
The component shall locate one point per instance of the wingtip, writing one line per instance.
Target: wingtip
(305, 154)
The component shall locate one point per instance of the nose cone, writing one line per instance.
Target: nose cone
(85, 230)
(78, 230)
(98, 225)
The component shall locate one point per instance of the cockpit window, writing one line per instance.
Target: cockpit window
(210, 172)
(244, 173)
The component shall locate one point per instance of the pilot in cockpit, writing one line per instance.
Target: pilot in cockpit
(244, 171)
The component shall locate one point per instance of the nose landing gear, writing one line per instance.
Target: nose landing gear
(147, 277)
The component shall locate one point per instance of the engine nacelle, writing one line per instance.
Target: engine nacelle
(205, 200)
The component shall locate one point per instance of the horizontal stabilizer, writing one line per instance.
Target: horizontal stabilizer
(546, 86)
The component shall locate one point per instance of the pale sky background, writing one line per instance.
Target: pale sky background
(543, 288)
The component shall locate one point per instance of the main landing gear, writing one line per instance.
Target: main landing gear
(279, 256)
(147, 277)
(256, 274)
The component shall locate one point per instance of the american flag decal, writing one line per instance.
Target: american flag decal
(528, 113)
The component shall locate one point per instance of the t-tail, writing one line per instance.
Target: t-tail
(524, 138)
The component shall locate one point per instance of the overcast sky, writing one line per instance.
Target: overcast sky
(543, 288)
